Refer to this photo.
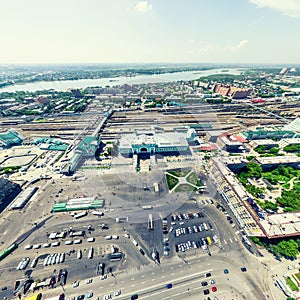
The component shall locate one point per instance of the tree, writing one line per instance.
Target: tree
(287, 248)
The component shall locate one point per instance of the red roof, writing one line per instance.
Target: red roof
(211, 147)
(240, 139)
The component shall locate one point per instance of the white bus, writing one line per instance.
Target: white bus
(80, 215)
(91, 253)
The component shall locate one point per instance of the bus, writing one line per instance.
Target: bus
(98, 213)
(150, 222)
(78, 233)
(80, 215)
(91, 253)
(156, 187)
(37, 296)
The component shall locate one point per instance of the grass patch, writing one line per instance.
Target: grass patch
(192, 178)
(291, 284)
(185, 188)
(298, 276)
(171, 181)
(181, 173)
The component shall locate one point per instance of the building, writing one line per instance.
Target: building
(267, 134)
(42, 99)
(230, 143)
(8, 192)
(151, 142)
(248, 213)
(231, 91)
(293, 126)
(78, 204)
(10, 138)
(85, 149)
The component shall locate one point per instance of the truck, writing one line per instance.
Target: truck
(156, 187)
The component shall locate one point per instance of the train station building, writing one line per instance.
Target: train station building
(153, 142)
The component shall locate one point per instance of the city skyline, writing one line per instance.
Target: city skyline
(128, 31)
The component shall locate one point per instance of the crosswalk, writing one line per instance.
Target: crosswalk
(204, 201)
(230, 240)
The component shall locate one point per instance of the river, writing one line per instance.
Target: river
(139, 79)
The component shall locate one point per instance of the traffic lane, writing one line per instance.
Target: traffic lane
(131, 282)
(224, 230)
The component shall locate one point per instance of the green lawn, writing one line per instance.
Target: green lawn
(185, 188)
(171, 181)
(291, 284)
(181, 173)
(192, 178)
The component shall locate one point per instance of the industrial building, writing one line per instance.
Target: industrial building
(10, 138)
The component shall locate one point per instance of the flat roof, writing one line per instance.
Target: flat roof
(23, 198)
(282, 224)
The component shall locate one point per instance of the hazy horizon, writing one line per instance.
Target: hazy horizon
(152, 31)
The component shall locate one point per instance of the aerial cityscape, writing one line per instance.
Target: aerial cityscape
(150, 150)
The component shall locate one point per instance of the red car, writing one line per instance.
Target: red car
(214, 288)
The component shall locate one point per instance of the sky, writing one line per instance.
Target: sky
(150, 31)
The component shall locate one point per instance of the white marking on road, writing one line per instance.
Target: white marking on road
(132, 278)
(133, 285)
(235, 239)
(122, 281)
(172, 274)
(152, 279)
(230, 240)
(143, 282)
(163, 276)
(143, 276)
(152, 273)
(225, 242)
(171, 268)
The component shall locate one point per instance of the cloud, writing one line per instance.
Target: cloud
(289, 8)
(241, 45)
(143, 6)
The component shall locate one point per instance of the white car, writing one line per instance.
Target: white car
(117, 293)
(107, 297)
(88, 281)
(75, 284)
